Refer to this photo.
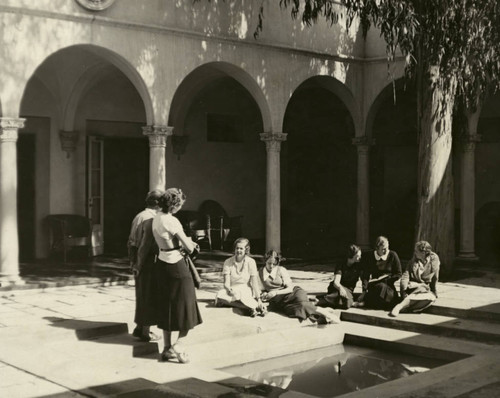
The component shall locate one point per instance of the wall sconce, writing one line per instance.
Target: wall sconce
(179, 144)
(69, 140)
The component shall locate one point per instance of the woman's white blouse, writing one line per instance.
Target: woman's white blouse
(165, 227)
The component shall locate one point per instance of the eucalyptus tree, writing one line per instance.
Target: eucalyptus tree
(451, 51)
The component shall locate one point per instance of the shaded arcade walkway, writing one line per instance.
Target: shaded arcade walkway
(110, 270)
(100, 270)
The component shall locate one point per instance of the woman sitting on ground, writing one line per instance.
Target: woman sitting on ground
(419, 281)
(241, 283)
(340, 290)
(381, 269)
(283, 296)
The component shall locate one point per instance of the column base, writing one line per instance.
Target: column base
(11, 280)
(468, 256)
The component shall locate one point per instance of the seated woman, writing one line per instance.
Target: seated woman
(241, 283)
(381, 269)
(340, 290)
(283, 296)
(419, 281)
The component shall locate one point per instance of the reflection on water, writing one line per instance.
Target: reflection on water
(333, 372)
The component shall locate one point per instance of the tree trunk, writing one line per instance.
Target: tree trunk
(435, 208)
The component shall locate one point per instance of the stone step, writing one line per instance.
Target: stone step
(66, 330)
(429, 324)
(486, 315)
(411, 342)
(189, 387)
(194, 387)
(221, 353)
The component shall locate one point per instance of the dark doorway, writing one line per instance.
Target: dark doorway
(488, 234)
(126, 183)
(26, 148)
(319, 175)
(393, 171)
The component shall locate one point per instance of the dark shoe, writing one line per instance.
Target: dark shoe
(253, 313)
(151, 337)
(262, 312)
(137, 332)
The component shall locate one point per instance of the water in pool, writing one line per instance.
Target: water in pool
(333, 371)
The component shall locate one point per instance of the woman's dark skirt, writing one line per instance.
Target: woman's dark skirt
(334, 300)
(294, 305)
(381, 295)
(145, 294)
(177, 308)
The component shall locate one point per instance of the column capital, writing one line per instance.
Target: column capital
(273, 140)
(157, 135)
(363, 144)
(469, 142)
(9, 127)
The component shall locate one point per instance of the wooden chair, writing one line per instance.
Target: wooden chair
(69, 231)
(221, 229)
(194, 227)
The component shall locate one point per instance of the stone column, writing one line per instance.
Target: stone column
(467, 196)
(157, 143)
(273, 192)
(9, 244)
(363, 200)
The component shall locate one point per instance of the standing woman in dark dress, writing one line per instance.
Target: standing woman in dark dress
(381, 268)
(142, 264)
(340, 290)
(177, 307)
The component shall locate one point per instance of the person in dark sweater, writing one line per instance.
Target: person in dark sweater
(381, 269)
(340, 290)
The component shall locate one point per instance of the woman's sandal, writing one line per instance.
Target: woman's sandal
(182, 356)
(167, 355)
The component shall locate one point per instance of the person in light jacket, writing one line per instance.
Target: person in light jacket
(418, 284)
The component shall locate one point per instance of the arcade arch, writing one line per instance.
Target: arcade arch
(319, 171)
(392, 123)
(84, 102)
(217, 113)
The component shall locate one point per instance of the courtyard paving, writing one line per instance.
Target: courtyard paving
(66, 334)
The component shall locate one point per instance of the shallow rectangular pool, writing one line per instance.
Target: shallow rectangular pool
(334, 371)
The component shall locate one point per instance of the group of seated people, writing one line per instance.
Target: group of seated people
(272, 288)
(255, 290)
(379, 270)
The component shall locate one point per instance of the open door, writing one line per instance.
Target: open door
(95, 191)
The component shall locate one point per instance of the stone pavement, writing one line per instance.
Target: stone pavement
(73, 341)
